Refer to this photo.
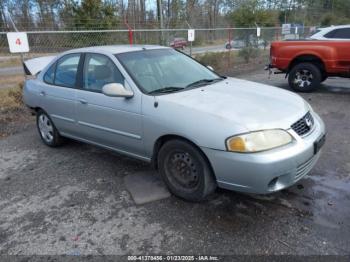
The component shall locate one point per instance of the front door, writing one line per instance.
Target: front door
(113, 122)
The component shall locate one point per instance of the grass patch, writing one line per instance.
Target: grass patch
(11, 98)
(13, 114)
(218, 60)
(10, 62)
(248, 53)
(10, 81)
(233, 62)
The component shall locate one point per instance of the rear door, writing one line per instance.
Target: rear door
(59, 93)
(113, 122)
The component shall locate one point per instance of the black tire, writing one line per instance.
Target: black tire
(228, 46)
(48, 133)
(305, 77)
(186, 171)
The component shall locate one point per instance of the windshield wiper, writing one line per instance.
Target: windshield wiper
(167, 89)
(204, 81)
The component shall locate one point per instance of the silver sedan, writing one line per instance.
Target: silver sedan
(199, 129)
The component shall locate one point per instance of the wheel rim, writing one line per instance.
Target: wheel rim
(182, 170)
(303, 78)
(45, 128)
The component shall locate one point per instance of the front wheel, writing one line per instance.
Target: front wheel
(47, 130)
(185, 170)
(305, 77)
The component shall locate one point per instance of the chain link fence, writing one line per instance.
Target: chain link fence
(228, 50)
(236, 38)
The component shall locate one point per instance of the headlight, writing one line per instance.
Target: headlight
(258, 141)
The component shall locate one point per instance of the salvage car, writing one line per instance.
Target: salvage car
(199, 129)
(310, 62)
(241, 43)
(179, 43)
(332, 33)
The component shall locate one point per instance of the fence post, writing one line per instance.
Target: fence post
(130, 31)
(277, 35)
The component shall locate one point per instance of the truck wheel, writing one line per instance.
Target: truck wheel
(185, 170)
(228, 46)
(305, 77)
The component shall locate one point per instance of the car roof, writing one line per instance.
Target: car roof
(323, 31)
(117, 49)
(330, 28)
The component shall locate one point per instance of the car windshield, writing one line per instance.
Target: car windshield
(165, 70)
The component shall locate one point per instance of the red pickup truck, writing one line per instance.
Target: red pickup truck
(307, 63)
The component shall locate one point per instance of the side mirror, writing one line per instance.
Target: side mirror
(210, 68)
(116, 90)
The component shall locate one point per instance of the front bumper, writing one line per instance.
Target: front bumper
(269, 171)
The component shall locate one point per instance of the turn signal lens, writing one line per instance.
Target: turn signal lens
(236, 144)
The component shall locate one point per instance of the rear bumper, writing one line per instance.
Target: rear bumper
(270, 171)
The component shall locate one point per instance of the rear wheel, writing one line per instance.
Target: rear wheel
(305, 77)
(228, 46)
(47, 130)
(185, 170)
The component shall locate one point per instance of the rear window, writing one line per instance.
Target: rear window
(49, 76)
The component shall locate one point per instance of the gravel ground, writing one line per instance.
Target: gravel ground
(72, 200)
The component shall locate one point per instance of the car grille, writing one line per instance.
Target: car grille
(303, 125)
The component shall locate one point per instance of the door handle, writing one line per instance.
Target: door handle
(82, 101)
(42, 93)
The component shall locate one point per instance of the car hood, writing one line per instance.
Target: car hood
(249, 104)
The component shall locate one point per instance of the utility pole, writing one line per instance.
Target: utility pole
(160, 20)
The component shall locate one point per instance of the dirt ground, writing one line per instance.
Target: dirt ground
(73, 200)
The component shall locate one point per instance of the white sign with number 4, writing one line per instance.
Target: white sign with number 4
(190, 35)
(18, 42)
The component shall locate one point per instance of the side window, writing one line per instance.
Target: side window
(330, 34)
(66, 70)
(342, 33)
(50, 74)
(98, 71)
